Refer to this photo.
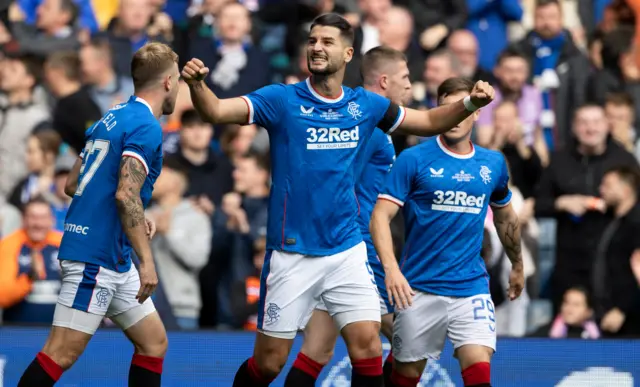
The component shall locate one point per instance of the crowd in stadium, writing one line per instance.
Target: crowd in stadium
(566, 117)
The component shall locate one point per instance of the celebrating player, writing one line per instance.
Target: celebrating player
(317, 130)
(385, 72)
(121, 161)
(441, 288)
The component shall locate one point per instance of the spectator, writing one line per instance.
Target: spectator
(488, 20)
(619, 110)
(236, 141)
(105, 87)
(615, 289)
(128, 32)
(246, 293)
(86, 15)
(53, 31)
(368, 34)
(237, 66)
(524, 160)
(559, 71)
(42, 150)
(209, 174)
(300, 69)
(171, 128)
(201, 24)
(436, 19)
(575, 319)
(568, 192)
(74, 111)
(396, 31)
(30, 271)
(440, 66)
(620, 73)
(182, 244)
(464, 45)
(512, 72)
(19, 114)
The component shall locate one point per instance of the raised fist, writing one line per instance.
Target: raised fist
(194, 71)
(482, 94)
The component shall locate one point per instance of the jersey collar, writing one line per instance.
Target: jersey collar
(454, 154)
(320, 96)
(145, 103)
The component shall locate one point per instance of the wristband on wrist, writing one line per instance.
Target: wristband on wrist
(468, 104)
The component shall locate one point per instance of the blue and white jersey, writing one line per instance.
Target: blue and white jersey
(444, 197)
(315, 145)
(377, 159)
(92, 231)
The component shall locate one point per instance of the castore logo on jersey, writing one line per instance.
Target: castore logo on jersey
(436, 173)
(306, 112)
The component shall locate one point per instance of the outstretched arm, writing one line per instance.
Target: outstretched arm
(508, 227)
(209, 106)
(443, 118)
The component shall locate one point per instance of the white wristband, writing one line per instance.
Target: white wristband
(468, 104)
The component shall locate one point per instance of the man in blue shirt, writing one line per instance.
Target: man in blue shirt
(441, 286)
(385, 72)
(318, 130)
(105, 225)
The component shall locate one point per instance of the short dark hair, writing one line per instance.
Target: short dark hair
(336, 21)
(511, 52)
(68, 61)
(101, 43)
(454, 85)
(628, 174)
(190, 117)
(174, 163)
(49, 141)
(581, 289)
(619, 99)
(615, 44)
(544, 3)
(587, 105)
(71, 7)
(376, 58)
(32, 65)
(261, 159)
(38, 199)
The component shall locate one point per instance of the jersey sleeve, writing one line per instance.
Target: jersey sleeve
(501, 195)
(143, 143)
(388, 115)
(266, 105)
(399, 180)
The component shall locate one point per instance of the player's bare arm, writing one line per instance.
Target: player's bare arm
(134, 225)
(400, 293)
(508, 227)
(442, 118)
(209, 106)
(72, 178)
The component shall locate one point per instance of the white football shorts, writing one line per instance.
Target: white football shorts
(90, 292)
(420, 330)
(292, 285)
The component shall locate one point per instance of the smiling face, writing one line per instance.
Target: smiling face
(327, 50)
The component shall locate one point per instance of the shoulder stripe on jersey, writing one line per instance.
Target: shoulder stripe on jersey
(390, 198)
(249, 108)
(137, 157)
(500, 205)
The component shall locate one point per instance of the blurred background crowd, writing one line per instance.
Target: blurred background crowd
(567, 114)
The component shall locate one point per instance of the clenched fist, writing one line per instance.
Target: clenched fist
(194, 71)
(482, 94)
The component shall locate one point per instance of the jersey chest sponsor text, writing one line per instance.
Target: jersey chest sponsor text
(457, 201)
(332, 138)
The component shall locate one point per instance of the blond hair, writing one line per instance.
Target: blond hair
(150, 62)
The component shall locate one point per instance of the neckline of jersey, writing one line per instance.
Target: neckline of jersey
(145, 103)
(453, 153)
(321, 97)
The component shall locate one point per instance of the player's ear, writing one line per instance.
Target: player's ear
(348, 54)
(384, 81)
(167, 83)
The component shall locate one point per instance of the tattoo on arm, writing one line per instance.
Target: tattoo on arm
(129, 203)
(508, 227)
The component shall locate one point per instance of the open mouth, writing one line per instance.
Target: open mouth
(318, 59)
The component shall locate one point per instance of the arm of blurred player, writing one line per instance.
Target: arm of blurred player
(72, 178)
(131, 211)
(400, 293)
(508, 227)
(209, 106)
(442, 118)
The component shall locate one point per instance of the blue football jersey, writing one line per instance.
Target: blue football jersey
(92, 231)
(375, 163)
(315, 144)
(444, 198)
